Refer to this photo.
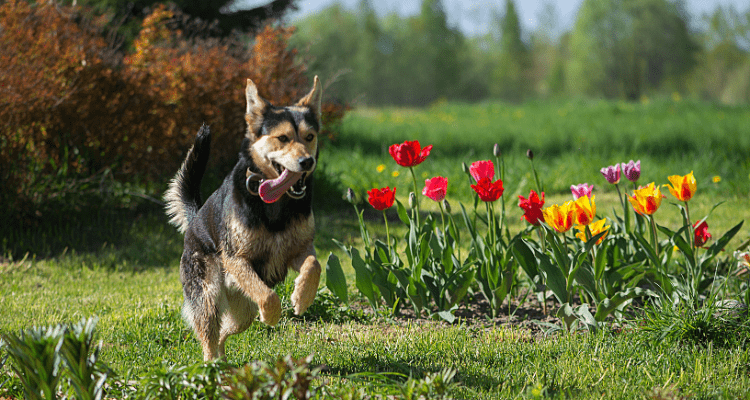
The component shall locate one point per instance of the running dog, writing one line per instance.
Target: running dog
(256, 225)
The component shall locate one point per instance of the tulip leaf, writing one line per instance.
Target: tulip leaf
(592, 242)
(363, 229)
(607, 306)
(678, 240)
(650, 253)
(526, 258)
(402, 214)
(585, 277)
(721, 243)
(363, 278)
(467, 221)
(555, 278)
(600, 262)
(335, 278)
(447, 316)
(567, 314)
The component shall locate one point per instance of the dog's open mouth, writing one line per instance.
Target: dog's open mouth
(291, 183)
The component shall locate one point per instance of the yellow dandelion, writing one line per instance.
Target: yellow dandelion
(395, 174)
(380, 168)
(676, 97)
(716, 179)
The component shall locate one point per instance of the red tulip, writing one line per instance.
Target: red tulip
(409, 154)
(532, 208)
(487, 190)
(482, 169)
(435, 188)
(381, 199)
(701, 233)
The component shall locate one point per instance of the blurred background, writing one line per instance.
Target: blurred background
(413, 52)
(100, 99)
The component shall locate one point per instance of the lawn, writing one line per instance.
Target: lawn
(126, 273)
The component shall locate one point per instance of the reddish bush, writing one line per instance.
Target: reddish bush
(71, 107)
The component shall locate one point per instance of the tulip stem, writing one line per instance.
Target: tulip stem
(387, 233)
(653, 235)
(691, 231)
(416, 196)
(442, 218)
(536, 178)
(501, 173)
(626, 214)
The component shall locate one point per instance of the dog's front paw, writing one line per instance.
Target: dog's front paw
(270, 309)
(302, 298)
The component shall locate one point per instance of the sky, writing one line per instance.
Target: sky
(473, 16)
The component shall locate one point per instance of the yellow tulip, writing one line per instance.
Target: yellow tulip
(559, 217)
(683, 187)
(595, 228)
(584, 210)
(646, 200)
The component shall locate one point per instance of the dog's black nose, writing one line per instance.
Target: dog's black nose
(306, 162)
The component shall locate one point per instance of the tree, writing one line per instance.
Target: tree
(224, 12)
(622, 48)
(445, 43)
(509, 76)
(333, 40)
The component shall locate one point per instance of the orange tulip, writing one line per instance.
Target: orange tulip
(595, 228)
(682, 187)
(559, 217)
(646, 200)
(584, 210)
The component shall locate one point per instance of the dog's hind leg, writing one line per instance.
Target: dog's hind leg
(306, 284)
(201, 286)
(239, 313)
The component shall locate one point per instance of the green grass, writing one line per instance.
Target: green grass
(126, 273)
(141, 330)
(571, 142)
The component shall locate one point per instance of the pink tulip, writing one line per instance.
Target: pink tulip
(583, 189)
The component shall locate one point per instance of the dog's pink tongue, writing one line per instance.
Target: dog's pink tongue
(272, 190)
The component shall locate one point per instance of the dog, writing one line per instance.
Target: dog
(254, 227)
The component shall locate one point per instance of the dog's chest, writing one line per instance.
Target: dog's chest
(270, 253)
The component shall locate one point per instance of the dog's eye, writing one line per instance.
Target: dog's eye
(283, 139)
(310, 137)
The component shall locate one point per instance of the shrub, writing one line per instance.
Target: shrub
(72, 107)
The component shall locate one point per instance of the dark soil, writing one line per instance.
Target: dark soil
(475, 310)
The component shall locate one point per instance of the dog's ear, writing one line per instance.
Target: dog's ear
(314, 98)
(256, 107)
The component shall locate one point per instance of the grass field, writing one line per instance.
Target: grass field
(126, 273)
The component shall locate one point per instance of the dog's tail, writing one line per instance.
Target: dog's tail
(183, 197)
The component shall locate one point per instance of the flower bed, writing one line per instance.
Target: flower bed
(567, 250)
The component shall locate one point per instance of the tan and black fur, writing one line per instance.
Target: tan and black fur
(237, 247)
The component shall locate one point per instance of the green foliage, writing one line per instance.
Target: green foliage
(604, 270)
(77, 111)
(38, 355)
(510, 76)
(625, 48)
(572, 140)
(396, 60)
(335, 278)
